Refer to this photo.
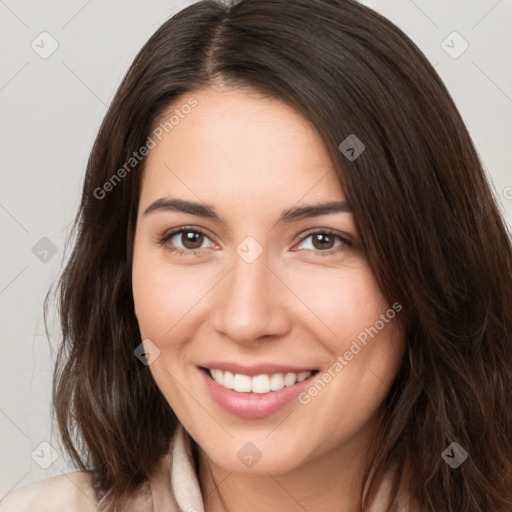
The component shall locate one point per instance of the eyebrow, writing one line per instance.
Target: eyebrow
(204, 210)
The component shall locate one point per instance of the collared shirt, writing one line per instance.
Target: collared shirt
(173, 488)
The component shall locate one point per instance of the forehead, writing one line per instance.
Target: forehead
(239, 145)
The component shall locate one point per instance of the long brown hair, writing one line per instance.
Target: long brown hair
(430, 226)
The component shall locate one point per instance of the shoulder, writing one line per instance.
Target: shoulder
(68, 492)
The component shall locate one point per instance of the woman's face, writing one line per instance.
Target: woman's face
(260, 283)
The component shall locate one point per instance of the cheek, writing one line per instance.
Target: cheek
(344, 301)
(164, 297)
(349, 309)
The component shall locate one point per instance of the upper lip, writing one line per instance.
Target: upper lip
(257, 369)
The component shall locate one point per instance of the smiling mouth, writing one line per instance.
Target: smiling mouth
(258, 384)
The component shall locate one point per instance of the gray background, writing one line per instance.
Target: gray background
(51, 109)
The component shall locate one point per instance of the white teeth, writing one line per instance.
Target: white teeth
(218, 376)
(303, 376)
(242, 383)
(290, 379)
(228, 379)
(277, 382)
(259, 383)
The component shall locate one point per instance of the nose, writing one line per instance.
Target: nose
(251, 303)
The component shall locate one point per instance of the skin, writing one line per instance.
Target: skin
(251, 158)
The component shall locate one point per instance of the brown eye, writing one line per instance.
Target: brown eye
(192, 239)
(186, 240)
(323, 241)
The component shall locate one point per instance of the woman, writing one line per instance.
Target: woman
(290, 288)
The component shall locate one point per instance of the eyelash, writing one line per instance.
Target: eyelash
(167, 236)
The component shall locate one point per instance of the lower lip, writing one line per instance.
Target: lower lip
(253, 405)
